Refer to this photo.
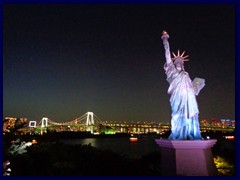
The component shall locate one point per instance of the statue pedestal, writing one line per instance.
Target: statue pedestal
(187, 157)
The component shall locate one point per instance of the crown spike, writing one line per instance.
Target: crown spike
(179, 57)
(182, 53)
(174, 54)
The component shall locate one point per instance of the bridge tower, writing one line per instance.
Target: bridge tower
(90, 119)
(44, 122)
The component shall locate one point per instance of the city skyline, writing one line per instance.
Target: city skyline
(210, 119)
(61, 61)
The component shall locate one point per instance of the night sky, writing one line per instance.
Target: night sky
(61, 61)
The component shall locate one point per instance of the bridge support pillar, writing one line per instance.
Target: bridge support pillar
(90, 119)
(44, 122)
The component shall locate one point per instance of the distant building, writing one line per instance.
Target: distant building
(227, 122)
(204, 122)
(11, 122)
(21, 121)
(214, 122)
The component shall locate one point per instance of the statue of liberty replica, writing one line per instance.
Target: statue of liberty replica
(183, 92)
(184, 151)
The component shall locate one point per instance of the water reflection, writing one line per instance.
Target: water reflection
(91, 141)
(122, 145)
(146, 145)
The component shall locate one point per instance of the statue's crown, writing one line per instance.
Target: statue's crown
(179, 58)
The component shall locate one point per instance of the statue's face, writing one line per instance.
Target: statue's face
(178, 66)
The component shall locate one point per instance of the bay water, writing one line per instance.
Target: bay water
(120, 145)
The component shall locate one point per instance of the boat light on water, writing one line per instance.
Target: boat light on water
(229, 137)
(133, 139)
(34, 141)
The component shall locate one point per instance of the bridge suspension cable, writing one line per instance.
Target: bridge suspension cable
(89, 118)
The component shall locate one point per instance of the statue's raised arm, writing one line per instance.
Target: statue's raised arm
(165, 37)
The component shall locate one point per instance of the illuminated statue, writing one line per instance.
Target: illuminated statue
(184, 123)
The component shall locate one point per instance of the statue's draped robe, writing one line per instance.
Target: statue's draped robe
(185, 124)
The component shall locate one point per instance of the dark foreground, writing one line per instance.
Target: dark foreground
(52, 158)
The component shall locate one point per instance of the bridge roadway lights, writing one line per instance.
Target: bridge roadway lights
(187, 157)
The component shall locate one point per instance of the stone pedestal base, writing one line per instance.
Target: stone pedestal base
(187, 157)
